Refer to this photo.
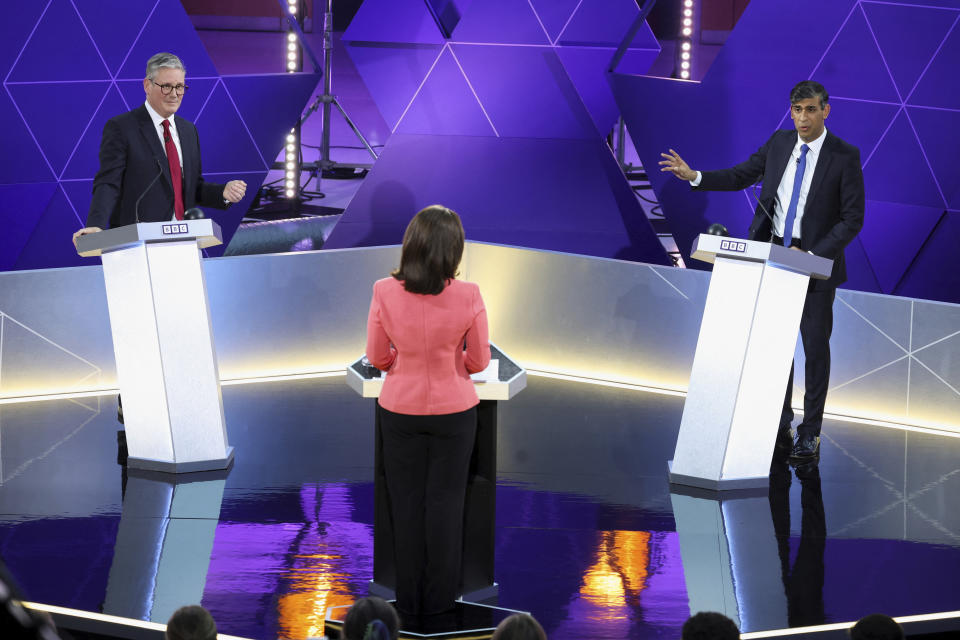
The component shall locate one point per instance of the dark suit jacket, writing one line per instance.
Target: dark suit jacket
(833, 214)
(130, 157)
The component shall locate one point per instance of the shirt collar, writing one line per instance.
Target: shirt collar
(815, 145)
(157, 118)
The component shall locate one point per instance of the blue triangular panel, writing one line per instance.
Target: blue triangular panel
(394, 21)
(445, 104)
(860, 123)
(935, 272)
(51, 244)
(892, 235)
(114, 25)
(392, 74)
(586, 68)
(79, 193)
(908, 37)
(19, 20)
(42, 107)
(48, 56)
(501, 22)
(133, 95)
(85, 160)
(604, 23)
(860, 275)
(637, 61)
(269, 120)
(898, 171)
(225, 143)
(229, 219)
(22, 160)
(868, 78)
(554, 14)
(932, 90)
(168, 29)
(21, 206)
(939, 133)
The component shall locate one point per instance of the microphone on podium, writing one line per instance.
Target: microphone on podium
(136, 206)
(194, 213)
(717, 229)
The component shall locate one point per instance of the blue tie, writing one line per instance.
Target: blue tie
(795, 198)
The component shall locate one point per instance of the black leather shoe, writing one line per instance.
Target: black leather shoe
(806, 448)
(784, 440)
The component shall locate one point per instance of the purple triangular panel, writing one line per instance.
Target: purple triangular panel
(51, 244)
(229, 219)
(85, 159)
(939, 133)
(866, 79)
(605, 23)
(501, 22)
(271, 104)
(554, 14)
(42, 107)
(892, 235)
(22, 160)
(898, 170)
(79, 193)
(586, 67)
(114, 25)
(535, 99)
(860, 275)
(860, 123)
(937, 86)
(393, 21)
(193, 100)
(60, 49)
(446, 105)
(18, 21)
(392, 74)
(908, 37)
(21, 206)
(169, 29)
(449, 12)
(637, 61)
(225, 144)
(935, 272)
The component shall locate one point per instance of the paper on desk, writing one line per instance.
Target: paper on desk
(490, 374)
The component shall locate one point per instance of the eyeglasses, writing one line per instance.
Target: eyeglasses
(165, 89)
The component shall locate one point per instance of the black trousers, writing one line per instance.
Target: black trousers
(426, 460)
(816, 325)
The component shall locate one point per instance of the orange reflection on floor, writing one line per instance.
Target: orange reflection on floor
(315, 585)
(612, 584)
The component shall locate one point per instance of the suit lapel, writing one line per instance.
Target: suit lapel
(152, 138)
(186, 143)
(780, 158)
(823, 165)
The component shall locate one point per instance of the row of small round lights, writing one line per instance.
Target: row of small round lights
(686, 40)
(292, 165)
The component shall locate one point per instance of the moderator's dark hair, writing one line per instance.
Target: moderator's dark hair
(432, 249)
(876, 626)
(709, 625)
(519, 626)
(809, 89)
(361, 620)
(192, 622)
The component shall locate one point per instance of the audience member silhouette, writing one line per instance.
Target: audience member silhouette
(371, 618)
(191, 622)
(709, 625)
(519, 626)
(876, 626)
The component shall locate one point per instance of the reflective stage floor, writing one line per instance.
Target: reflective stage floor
(589, 537)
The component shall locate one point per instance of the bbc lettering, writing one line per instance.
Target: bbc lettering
(170, 229)
(733, 245)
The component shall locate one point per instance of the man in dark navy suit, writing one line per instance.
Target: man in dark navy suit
(812, 200)
(151, 140)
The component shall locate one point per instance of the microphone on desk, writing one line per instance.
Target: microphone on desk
(136, 207)
(717, 229)
(763, 208)
(194, 213)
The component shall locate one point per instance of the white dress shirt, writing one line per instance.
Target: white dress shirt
(785, 190)
(158, 127)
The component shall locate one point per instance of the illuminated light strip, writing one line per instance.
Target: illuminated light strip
(58, 396)
(779, 633)
(102, 617)
(606, 383)
(281, 377)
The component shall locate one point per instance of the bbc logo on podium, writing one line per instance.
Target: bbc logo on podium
(733, 245)
(171, 229)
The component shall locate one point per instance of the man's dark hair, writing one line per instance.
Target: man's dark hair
(809, 89)
(192, 622)
(709, 625)
(432, 249)
(371, 618)
(519, 626)
(876, 626)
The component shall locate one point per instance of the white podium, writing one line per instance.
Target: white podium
(163, 343)
(739, 376)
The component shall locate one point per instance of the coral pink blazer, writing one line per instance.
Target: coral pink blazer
(418, 339)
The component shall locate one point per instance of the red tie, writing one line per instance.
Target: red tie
(173, 159)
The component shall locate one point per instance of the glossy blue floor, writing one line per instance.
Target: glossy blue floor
(589, 538)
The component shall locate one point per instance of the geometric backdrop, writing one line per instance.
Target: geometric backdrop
(499, 109)
(891, 71)
(67, 66)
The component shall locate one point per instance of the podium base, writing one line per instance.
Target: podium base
(722, 484)
(164, 466)
(477, 596)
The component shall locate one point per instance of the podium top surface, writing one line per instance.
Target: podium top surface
(367, 380)
(206, 232)
(708, 247)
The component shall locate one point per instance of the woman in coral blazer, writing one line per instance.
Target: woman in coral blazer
(428, 331)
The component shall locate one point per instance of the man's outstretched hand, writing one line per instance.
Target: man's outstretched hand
(673, 163)
(83, 232)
